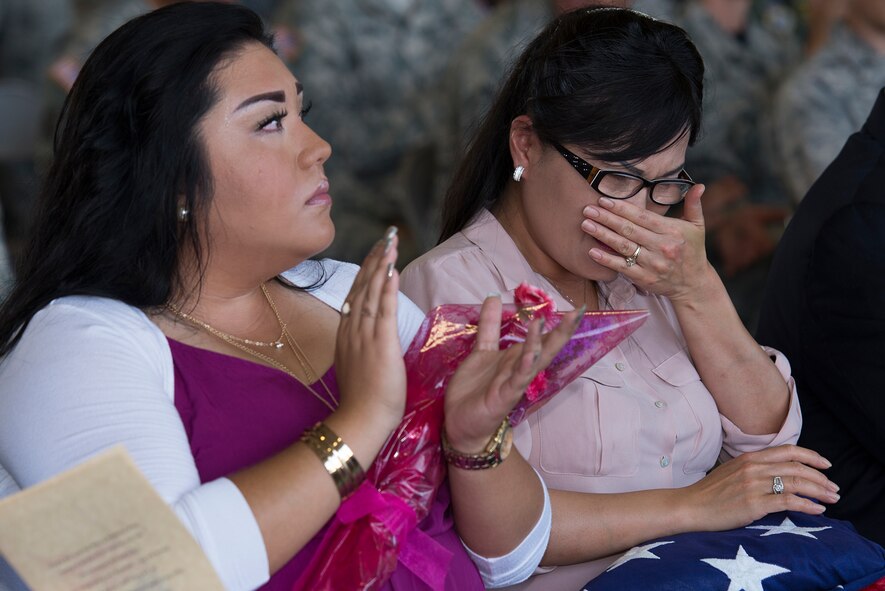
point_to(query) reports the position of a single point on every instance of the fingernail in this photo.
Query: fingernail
(835, 497)
(606, 202)
(827, 462)
(580, 315)
(596, 254)
(820, 508)
(493, 294)
(388, 238)
(591, 211)
(833, 486)
(389, 270)
(589, 226)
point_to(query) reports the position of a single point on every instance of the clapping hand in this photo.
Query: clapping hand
(489, 382)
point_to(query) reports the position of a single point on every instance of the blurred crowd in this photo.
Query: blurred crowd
(396, 85)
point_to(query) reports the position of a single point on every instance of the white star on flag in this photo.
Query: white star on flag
(637, 552)
(744, 572)
(788, 527)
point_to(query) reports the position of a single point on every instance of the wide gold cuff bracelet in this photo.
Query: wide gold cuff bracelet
(337, 458)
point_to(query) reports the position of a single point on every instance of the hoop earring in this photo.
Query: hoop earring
(517, 173)
(183, 214)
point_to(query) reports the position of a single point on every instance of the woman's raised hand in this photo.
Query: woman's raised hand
(489, 382)
(661, 254)
(744, 489)
(368, 356)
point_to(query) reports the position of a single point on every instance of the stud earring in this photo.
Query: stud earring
(183, 214)
(517, 173)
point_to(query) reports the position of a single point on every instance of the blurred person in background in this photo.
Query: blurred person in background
(746, 54)
(31, 35)
(829, 96)
(369, 65)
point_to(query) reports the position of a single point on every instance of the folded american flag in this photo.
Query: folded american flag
(783, 551)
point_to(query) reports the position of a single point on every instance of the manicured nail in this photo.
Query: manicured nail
(589, 226)
(827, 462)
(606, 202)
(493, 294)
(580, 315)
(833, 486)
(591, 211)
(596, 254)
(835, 497)
(389, 270)
(388, 237)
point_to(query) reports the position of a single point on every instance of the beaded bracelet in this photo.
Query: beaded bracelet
(337, 458)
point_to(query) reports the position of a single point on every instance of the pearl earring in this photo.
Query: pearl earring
(517, 173)
(183, 214)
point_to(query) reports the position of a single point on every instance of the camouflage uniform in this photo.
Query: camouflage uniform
(367, 66)
(824, 102)
(471, 82)
(740, 80)
(30, 35)
(93, 21)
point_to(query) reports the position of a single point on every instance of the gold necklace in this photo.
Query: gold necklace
(277, 344)
(566, 296)
(239, 343)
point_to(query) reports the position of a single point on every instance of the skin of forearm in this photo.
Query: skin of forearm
(292, 495)
(495, 509)
(588, 526)
(743, 380)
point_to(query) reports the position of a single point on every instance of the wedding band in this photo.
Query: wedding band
(345, 309)
(777, 485)
(631, 260)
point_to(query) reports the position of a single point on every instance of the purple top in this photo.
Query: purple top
(237, 413)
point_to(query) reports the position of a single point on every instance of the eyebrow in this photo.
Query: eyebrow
(276, 96)
(638, 172)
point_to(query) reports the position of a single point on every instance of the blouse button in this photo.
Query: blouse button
(660, 403)
(665, 461)
(619, 366)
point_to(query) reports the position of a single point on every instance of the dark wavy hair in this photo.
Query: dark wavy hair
(127, 155)
(616, 82)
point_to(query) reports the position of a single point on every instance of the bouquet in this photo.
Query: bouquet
(376, 526)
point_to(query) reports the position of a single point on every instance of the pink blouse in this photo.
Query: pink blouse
(638, 419)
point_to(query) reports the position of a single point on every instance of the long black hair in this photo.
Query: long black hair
(617, 83)
(127, 156)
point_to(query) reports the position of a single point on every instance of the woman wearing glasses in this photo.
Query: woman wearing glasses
(566, 185)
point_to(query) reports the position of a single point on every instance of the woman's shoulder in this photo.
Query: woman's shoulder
(88, 313)
(84, 326)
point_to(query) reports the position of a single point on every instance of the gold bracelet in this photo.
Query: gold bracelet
(337, 458)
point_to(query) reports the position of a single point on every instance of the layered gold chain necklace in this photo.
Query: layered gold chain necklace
(246, 345)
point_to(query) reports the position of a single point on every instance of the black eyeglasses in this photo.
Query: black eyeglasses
(623, 185)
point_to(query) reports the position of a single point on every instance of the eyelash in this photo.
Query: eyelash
(305, 109)
(278, 117)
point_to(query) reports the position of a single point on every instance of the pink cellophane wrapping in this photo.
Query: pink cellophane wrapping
(376, 526)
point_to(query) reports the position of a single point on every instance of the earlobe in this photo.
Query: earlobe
(522, 140)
